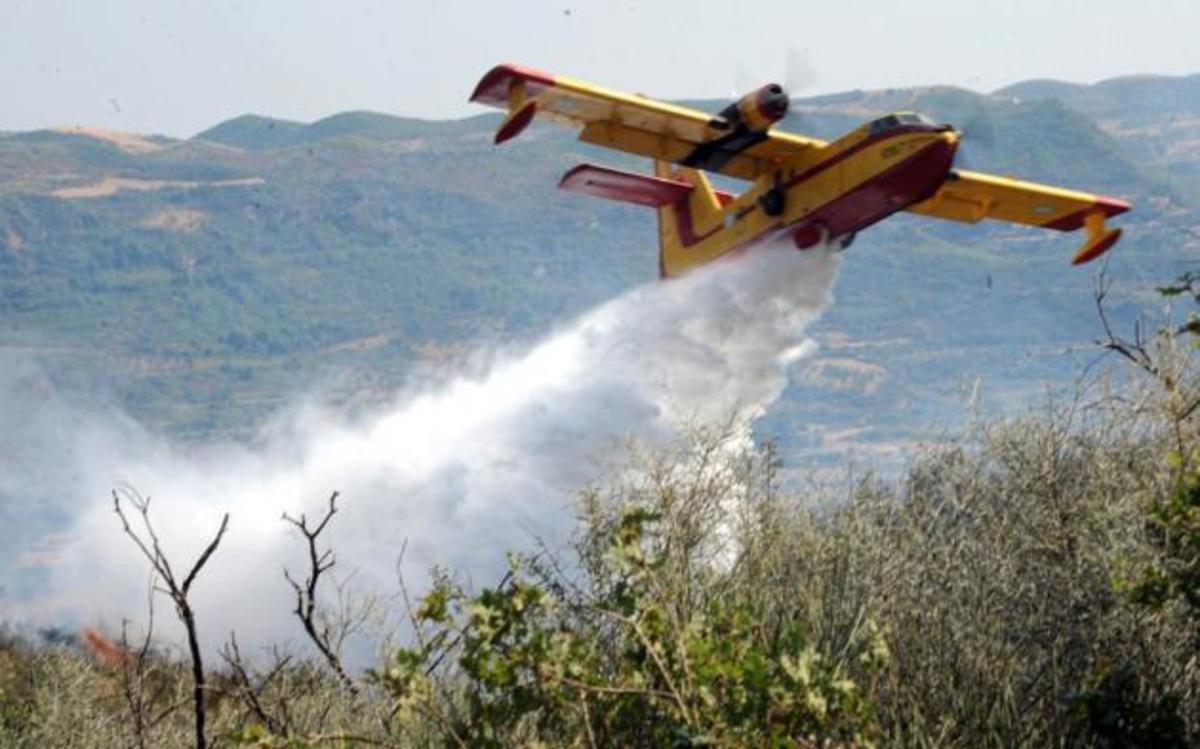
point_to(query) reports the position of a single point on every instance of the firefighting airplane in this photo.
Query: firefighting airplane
(803, 187)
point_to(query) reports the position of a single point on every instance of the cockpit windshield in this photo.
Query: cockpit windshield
(899, 119)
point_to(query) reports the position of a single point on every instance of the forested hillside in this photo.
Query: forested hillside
(203, 280)
(909, 581)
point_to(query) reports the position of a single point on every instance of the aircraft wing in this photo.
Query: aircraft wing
(971, 197)
(627, 122)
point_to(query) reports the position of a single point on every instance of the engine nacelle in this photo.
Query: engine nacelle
(758, 110)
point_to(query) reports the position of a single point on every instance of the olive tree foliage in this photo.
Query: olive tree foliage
(656, 632)
(1167, 359)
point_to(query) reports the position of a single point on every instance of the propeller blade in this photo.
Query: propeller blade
(799, 72)
(976, 136)
(743, 81)
(979, 129)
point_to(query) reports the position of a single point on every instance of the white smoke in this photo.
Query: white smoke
(462, 474)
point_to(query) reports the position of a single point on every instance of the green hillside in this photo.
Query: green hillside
(1128, 99)
(255, 133)
(210, 277)
(1040, 139)
(1155, 118)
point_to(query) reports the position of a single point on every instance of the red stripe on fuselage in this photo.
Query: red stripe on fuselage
(841, 156)
(686, 227)
(896, 188)
(893, 190)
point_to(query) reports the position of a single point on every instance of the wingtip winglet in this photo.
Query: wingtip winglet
(516, 122)
(493, 86)
(1097, 247)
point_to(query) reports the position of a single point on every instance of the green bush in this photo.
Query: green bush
(992, 595)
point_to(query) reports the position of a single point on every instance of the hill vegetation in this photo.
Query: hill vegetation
(1031, 584)
(209, 276)
(1156, 118)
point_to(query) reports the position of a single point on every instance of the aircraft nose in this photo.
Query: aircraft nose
(941, 148)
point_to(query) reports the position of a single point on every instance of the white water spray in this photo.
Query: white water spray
(462, 474)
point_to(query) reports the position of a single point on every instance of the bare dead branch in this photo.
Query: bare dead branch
(409, 611)
(208, 552)
(1135, 351)
(342, 739)
(161, 567)
(134, 668)
(587, 721)
(250, 692)
(319, 562)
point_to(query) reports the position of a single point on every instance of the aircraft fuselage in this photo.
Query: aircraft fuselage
(848, 185)
(801, 188)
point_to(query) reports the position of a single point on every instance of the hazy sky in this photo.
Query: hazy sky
(179, 66)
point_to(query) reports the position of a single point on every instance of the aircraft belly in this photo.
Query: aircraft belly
(876, 197)
(821, 201)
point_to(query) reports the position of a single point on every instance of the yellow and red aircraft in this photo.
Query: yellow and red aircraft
(808, 189)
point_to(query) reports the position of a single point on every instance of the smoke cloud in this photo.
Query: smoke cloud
(461, 473)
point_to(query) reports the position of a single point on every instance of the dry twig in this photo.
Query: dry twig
(151, 548)
(319, 562)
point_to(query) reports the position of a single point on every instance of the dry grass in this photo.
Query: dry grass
(110, 186)
(126, 141)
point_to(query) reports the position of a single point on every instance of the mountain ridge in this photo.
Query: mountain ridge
(1032, 87)
(216, 279)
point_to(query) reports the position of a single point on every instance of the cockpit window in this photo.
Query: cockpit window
(896, 120)
(884, 123)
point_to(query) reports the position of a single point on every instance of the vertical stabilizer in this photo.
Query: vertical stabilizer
(686, 221)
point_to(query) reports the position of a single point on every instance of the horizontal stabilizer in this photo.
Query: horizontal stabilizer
(614, 184)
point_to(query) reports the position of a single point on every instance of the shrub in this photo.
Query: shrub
(994, 594)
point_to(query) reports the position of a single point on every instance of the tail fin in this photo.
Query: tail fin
(682, 222)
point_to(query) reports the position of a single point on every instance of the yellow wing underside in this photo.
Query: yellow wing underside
(670, 133)
(970, 197)
(632, 123)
